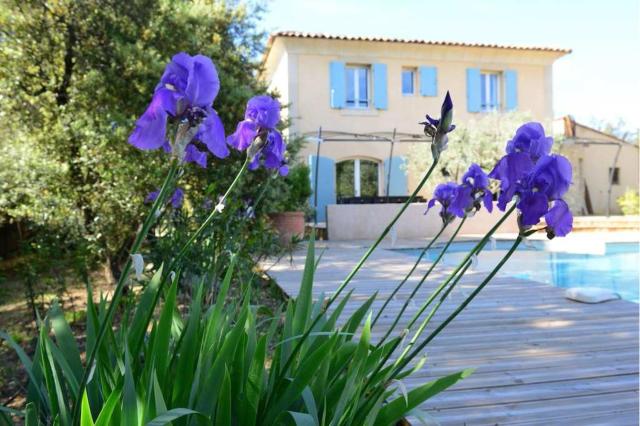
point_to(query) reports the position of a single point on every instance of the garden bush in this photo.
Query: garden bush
(629, 202)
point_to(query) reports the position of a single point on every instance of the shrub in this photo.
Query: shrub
(629, 202)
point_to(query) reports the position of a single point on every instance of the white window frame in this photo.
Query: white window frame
(487, 91)
(356, 86)
(413, 72)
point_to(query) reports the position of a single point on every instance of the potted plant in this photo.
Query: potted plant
(288, 215)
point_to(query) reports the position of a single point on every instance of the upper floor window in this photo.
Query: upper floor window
(408, 81)
(490, 91)
(357, 86)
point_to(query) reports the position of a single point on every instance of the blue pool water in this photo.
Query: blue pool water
(615, 266)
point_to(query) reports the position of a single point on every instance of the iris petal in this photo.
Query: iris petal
(533, 206)
(211, 133)
(243, 136)
(559, 218)
(151, 128)
(203, 84)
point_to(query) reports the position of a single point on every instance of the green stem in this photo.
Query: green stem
(460, 308)
(375, 245)
(184, 249)
(406, 278)
(424, 278)
(280, 378)
(135, 247)
(455, 276)
(462, 267)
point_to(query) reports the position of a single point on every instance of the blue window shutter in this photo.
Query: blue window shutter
(473, 89)
(428, 81)
(326, 184)
(398, 178)
(337, 82)
(511, 90)
(380, 86)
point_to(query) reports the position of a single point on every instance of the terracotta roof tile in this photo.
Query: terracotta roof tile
(298, 34)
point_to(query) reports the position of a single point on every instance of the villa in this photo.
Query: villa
(357, 101)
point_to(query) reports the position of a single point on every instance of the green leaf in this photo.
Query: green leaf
(31, 415)
(223, 411)
(27, 364)
(249, 404)
(188, 353)
(163, 332)
(85, 414)
(310, 404)
(172, 415)
(397, 408)
(302, 419)
(66, 341)
(305, 296)
(138, 326)
(105, 416)
(130, 398)
(54, 378)
(356, 319)
(301, 377)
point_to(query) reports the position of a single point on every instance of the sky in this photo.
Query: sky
(598, 82)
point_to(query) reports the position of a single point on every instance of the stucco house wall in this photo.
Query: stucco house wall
(592, 153)
(298, 67)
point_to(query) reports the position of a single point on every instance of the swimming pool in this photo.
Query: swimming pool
(611, 265)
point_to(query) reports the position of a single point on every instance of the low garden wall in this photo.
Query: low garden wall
(367, 221)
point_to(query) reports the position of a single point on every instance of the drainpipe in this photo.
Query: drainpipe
(393, 141)
(611, 172)
(315, 184)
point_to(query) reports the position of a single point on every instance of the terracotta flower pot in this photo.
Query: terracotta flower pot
(288, 225)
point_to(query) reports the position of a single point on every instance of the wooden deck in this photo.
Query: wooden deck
(539, 358)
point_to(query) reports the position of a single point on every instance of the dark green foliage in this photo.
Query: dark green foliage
(74, 75)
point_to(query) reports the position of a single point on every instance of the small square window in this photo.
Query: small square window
(615, 176)
(408, 81)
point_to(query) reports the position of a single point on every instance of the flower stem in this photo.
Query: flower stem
(460, 308)
(135, 247)
(184, 249)
(419, 285)
(375, 245)
(347, 280)
(406, 278)
(457, 274)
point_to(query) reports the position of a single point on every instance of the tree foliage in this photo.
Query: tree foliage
(74, 75)
(480, 141)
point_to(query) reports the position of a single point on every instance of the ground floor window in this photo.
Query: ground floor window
(357, 178)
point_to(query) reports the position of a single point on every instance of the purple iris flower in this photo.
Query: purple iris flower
(438, 128)
(473, 192)
(258, 129)
(548, 181)
(537, 178)
(176, 198)
(185, 93)
(445, 194)
(510, 171)
(530, 138)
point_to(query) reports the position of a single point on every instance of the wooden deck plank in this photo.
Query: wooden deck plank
(539, 358)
